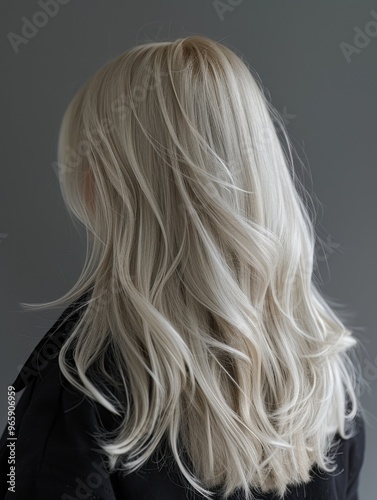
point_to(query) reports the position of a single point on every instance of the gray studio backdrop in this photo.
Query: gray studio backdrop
(317, 60)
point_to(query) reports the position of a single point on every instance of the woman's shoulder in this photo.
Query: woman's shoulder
(55, 425)
(353, 454)
(45, 353)
(43, 381)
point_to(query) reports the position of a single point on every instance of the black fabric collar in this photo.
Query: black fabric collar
(47, 349)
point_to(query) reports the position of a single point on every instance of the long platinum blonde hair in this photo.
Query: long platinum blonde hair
(200, 260)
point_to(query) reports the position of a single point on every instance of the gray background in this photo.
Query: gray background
(295, 46)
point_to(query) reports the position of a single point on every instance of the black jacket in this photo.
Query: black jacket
(56, 457)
